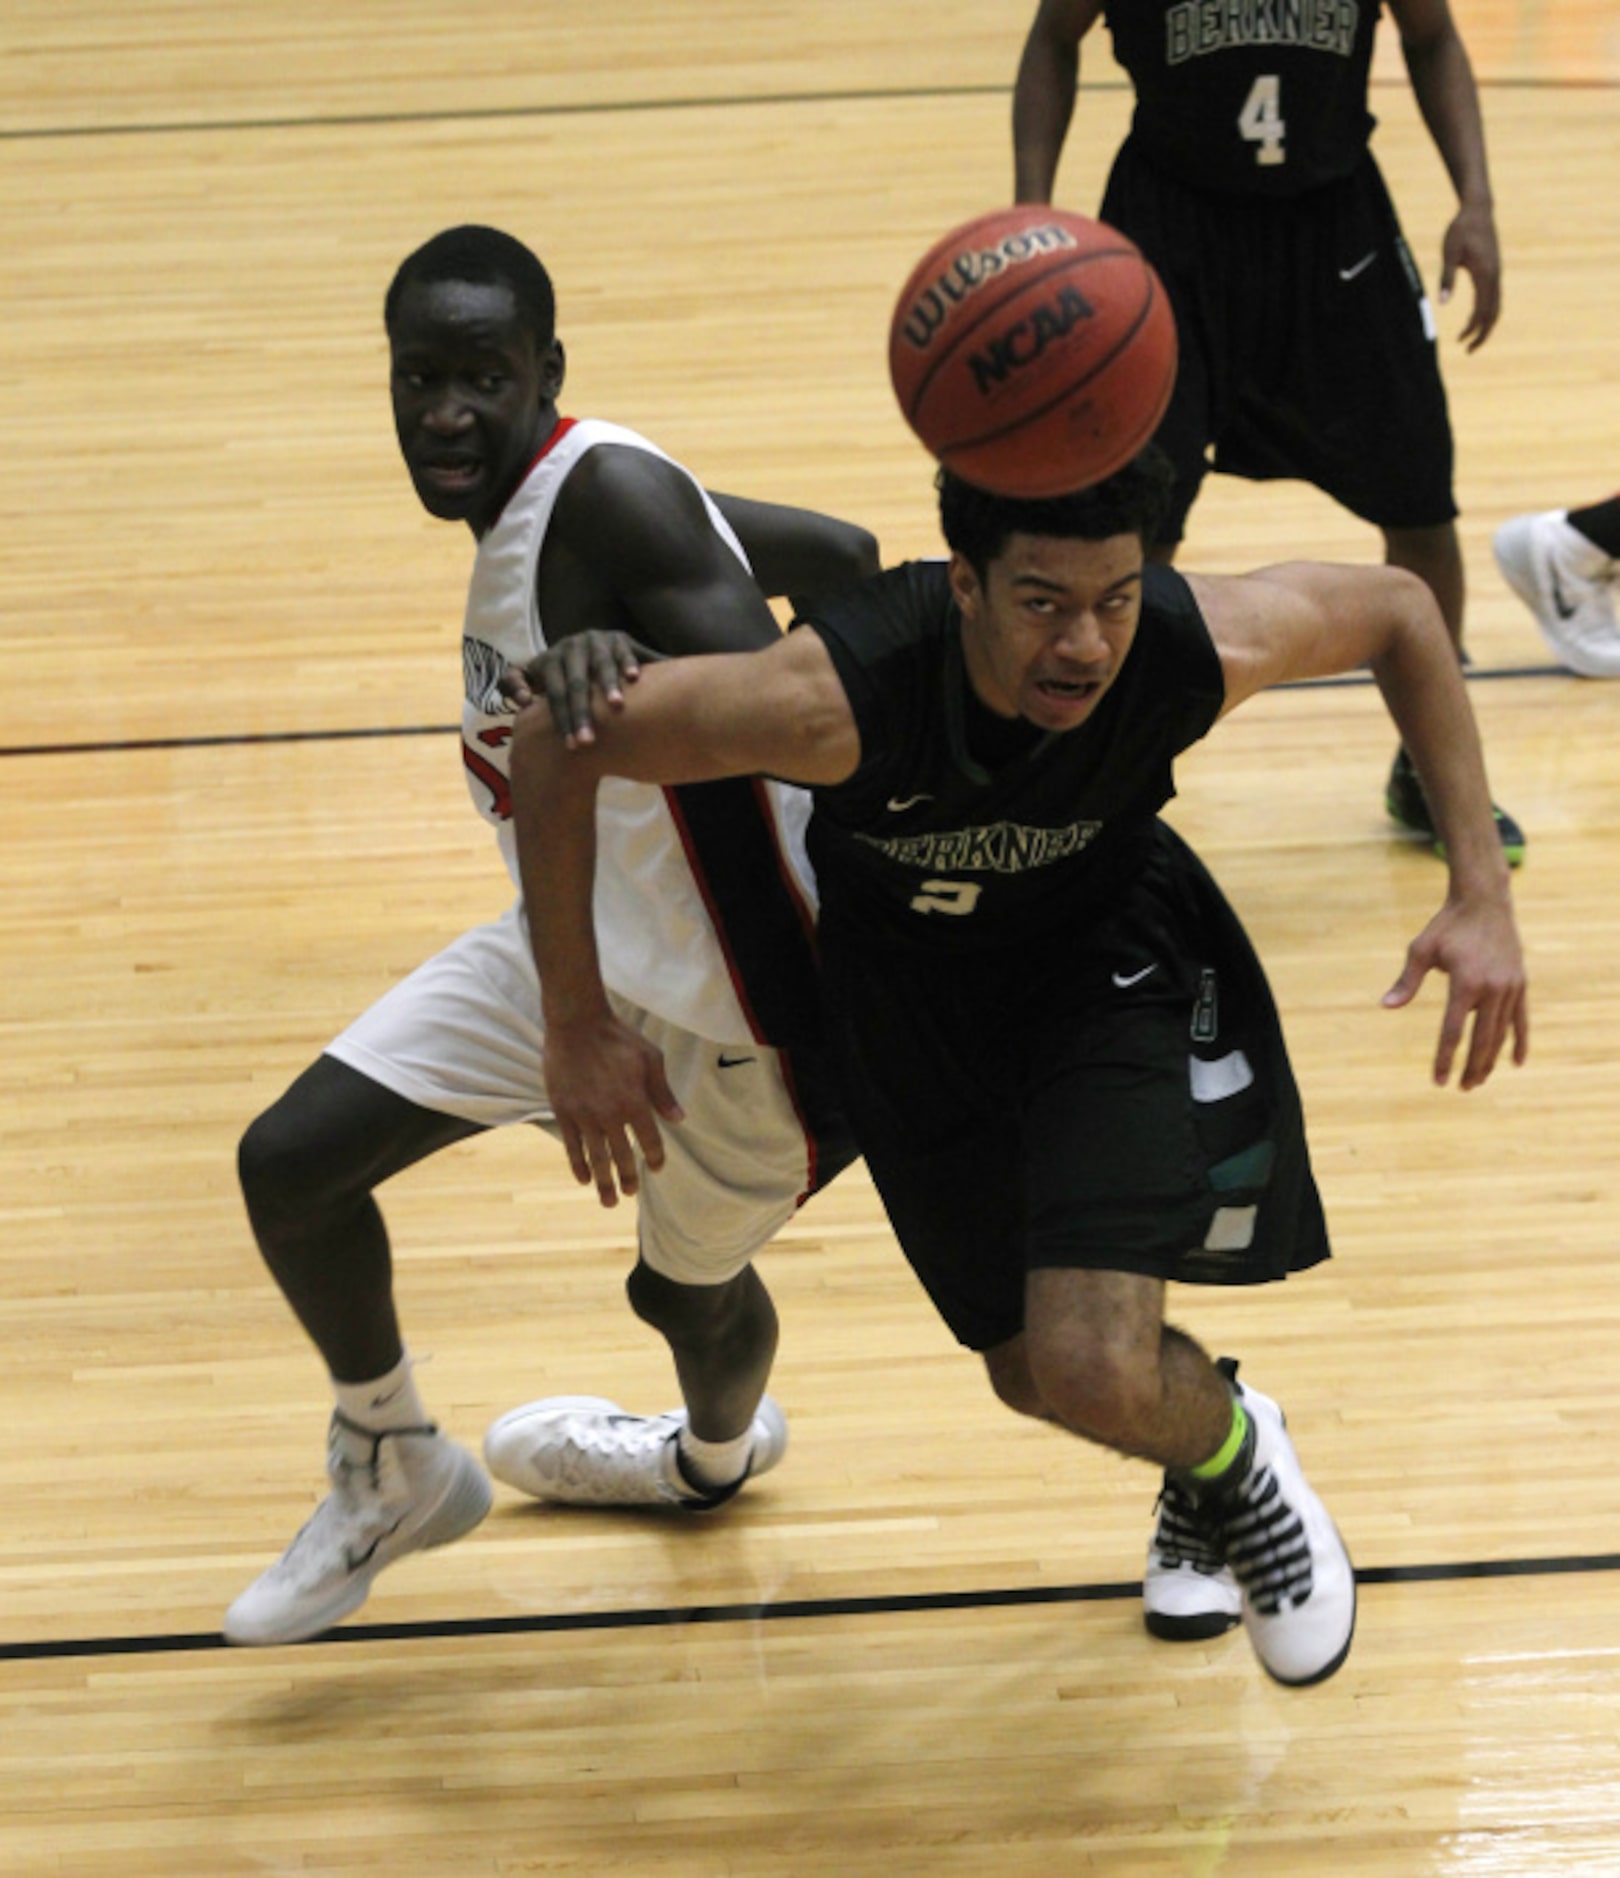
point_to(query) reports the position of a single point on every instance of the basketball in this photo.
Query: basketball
(1033, 351)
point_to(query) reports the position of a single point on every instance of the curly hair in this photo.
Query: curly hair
(1133, 501)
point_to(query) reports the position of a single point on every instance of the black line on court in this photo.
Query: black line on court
(555, 1622)
(623, 107)
(115, 745)
(244, 738)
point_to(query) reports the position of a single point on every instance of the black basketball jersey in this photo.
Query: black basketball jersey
(961, 830)
(1249, 97)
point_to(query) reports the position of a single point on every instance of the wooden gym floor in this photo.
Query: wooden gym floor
(232, 814)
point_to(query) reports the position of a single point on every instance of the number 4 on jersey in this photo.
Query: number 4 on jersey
(1261, 119)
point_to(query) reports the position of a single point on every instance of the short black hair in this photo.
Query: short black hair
(1133, 501)
(487, 257)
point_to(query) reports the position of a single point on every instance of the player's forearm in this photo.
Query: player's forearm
(554, 819)
(798, 553)
(1422, 685)
(1443, 84)
(1043, 105)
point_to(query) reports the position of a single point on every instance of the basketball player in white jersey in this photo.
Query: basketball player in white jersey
(705, 918)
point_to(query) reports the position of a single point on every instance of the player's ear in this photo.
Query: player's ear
(965, 588)
(553, 369)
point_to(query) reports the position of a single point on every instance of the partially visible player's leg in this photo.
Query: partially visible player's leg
(735, 1171)
(1434, 554)
(308, 1167)
(723, 1341)
(446, 1053)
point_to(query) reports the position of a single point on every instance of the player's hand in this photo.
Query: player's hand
(608, 1089)
(567, 674)
(1471, 244)
(1477, 945)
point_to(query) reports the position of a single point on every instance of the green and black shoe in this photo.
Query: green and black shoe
(1409, 809)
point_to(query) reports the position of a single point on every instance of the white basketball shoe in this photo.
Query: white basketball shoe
(1568, 583)
(1298, 1585)
(399, 1491)
(583, 1450)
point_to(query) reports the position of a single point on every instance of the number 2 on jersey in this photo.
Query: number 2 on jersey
(947, 896)
(1261, 119)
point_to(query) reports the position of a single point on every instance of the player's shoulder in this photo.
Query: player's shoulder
(908, 602)
(623, 495)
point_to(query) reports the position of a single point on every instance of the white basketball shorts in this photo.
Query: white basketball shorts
(463, 1035)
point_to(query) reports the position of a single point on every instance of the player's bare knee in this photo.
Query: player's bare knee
(1099, 1392)
(268, 1166)
(286, 1174)
(1007, 1367)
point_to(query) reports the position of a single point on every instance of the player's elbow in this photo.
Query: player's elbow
(861, 554)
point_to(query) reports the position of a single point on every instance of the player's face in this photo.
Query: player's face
(474, 396)
(1045, 633)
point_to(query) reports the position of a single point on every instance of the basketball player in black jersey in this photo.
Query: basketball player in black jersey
(1056, 1044)
(1307, 342)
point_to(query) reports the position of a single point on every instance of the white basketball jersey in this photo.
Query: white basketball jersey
(664, 928)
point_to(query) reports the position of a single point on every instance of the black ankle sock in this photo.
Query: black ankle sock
(1600, 524)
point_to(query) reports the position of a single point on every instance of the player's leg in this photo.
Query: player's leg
(756, 1139)
(1164, 1140)
(309, 1167)
(1191, 257)
(1110, 1370)
(451, 1050)
(1434, 554)
(1373, 424)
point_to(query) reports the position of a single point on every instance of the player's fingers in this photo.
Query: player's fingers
(613, 665)
(650, 1141)
(603, 1169)
(1485, 1044)
(662, 1096)
(574, 1147)
(1451, 1033)
(1405, 988)
(565, 673)
(624, 1160)
(1521, 1025)
(1487, 311)
(514, 687)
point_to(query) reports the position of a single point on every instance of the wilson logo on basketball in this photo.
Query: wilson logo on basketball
(971, 270)
(1023, 342)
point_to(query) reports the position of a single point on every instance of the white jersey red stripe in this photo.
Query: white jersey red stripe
(664, 932)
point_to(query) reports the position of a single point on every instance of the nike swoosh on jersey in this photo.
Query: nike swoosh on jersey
(1126, 979)
(899, 804)
(1361, 266)
(735, 1062)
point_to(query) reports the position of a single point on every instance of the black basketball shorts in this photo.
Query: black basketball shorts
(1128, 1110)
(1308, 344)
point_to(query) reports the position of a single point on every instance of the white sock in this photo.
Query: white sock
(389, 1401)
(715, 1464)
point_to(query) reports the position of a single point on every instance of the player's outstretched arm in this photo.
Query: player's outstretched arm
(1305, 620)
(782, 712)
(1043, 96)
